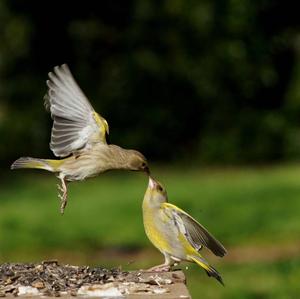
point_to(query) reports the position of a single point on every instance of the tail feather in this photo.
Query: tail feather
(28, 162)
(211, 272)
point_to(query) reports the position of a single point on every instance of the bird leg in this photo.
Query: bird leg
(165, 267)
(63, 195)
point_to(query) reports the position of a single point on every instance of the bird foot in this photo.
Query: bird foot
(60, 188)
(159, 268)
(63, 206)
(63, 199)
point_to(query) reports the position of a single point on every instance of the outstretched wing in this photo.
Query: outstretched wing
(194, 232)
(76, 124)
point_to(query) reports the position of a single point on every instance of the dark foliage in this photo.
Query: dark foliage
(174, 78)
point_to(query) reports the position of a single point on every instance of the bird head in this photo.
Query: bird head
(138, 162)
(156, 191)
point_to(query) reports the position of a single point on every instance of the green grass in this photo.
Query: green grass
(255, 280)
(243, 207)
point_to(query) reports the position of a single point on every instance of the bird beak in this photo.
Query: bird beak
(152, 183)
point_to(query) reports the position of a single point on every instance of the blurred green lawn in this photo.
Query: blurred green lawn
(254, 208)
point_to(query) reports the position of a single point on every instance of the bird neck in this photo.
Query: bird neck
(118, 157)
(150, 201)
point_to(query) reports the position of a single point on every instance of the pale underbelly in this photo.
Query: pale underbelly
(79, 171)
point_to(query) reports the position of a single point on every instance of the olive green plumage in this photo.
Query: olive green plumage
(175, 233)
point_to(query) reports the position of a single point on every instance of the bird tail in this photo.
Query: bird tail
(211, 272)
(28, 162)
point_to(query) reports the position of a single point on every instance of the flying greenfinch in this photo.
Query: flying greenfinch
(177, 235)
(78, 137)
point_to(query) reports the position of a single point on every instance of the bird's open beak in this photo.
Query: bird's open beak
(152, 183)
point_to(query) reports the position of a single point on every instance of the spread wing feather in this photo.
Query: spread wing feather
(76, 125)
(196, 234)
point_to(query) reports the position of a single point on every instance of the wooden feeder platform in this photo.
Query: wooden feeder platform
(50, 279)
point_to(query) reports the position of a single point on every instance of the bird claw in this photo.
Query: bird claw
(63, 198)
(63, 202)
(63, 205)
(60, 188)
(160, 268)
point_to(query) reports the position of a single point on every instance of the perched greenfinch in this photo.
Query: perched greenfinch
(78, 137)
(177, 235)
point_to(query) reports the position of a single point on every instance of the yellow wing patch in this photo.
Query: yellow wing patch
(102, 123)
(170, 206)
(189, 249)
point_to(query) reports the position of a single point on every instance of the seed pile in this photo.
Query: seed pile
(53, 279)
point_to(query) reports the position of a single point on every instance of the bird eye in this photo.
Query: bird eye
(160, 188)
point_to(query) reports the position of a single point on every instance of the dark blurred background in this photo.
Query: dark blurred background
(216, 79)
(209, 91)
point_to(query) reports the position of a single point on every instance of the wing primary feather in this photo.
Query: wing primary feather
(199, 234)
(195, 233)
(65, 75)
(62, 141)
(64, 114)
(74, 122)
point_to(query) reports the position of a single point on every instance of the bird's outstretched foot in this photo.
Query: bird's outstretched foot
(63, 202)
(63, 195)
(159, 268)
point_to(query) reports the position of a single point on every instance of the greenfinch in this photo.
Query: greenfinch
(177, 235)
(78, 137)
